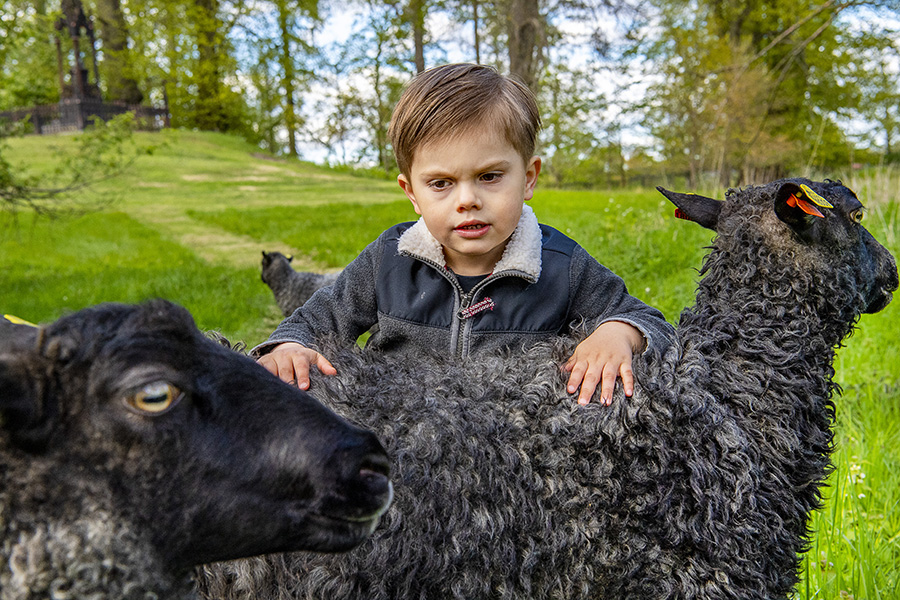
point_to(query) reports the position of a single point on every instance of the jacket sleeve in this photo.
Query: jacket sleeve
(598, 295)
(341, 312)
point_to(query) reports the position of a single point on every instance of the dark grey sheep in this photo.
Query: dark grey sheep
(132, 448)
(700, 486)
(291, 288)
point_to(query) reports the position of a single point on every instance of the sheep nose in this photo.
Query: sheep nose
(364, 490)
(374, 476)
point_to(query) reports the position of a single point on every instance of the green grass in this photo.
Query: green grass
(190, 219)
(329, 235)
(53, 267)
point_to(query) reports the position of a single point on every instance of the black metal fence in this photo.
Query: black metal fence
(74, 115)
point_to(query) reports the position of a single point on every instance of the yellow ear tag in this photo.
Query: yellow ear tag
(17, 321)
(816, 198)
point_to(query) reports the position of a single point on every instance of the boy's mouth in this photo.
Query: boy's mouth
(472, 229)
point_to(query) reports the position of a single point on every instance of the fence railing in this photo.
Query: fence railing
(74, 115)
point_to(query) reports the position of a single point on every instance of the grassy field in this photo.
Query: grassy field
(189, 220)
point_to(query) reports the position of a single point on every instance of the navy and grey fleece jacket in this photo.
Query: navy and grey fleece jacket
(542, 285)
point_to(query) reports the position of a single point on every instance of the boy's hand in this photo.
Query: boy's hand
(290, 361)
(602, 357)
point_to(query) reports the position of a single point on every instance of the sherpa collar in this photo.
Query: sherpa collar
(522, 253)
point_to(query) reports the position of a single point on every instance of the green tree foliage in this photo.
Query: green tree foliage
(733, 90)
(359, 81)
(278, 42)
(28, 73)
(751, 89)
(573, 143)
(185, 54)
(875, 70)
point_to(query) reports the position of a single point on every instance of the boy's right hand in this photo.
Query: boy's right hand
(290, 361)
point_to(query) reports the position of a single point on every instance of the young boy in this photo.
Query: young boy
(476, 272)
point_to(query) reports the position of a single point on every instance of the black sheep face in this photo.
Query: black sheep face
(201, 447)
(814, 227)
(273, 263)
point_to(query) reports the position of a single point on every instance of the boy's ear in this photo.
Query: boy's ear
(406, 186)
(532, 170)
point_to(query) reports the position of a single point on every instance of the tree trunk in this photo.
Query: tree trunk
(121, 85)
(526, 41)
(289, 74)
(207, 76)
(416, 13)
(475, 25)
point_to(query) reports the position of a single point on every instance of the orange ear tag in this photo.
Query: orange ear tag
(800, 202)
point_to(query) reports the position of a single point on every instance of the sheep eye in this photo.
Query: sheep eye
(155, 398)
(857, 216)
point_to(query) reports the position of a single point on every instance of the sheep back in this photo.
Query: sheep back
(506, 488)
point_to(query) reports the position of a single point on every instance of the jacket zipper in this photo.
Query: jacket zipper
(462, 325)
(465, 300)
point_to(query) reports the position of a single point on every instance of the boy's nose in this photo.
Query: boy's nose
(468, 198)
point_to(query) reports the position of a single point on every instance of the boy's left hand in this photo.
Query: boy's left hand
(602, 357)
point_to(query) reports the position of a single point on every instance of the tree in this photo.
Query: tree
(363, 79)
(875, 72)
(527, 40)
(762, 82)
(209, 38)
(415, 14)
(117, 67)
(27, 54)
(187, 49)
(278, 37)
(573, 126)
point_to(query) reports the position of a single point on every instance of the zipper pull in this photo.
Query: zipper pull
(467, 312)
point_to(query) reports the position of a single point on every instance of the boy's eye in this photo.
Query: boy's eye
(439, 184)
(490, 177)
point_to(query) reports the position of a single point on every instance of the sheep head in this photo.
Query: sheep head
(810, 223)
(275, 265)
(201, 449)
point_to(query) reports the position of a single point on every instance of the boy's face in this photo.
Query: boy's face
(469, 190)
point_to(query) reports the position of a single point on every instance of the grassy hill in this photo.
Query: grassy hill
(189, 220)
(159, 236)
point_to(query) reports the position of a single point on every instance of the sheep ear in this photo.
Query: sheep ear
(24, 411)
(699, 209)
(18, 405)
(797, 205)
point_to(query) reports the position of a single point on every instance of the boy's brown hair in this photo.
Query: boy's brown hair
(456, 98)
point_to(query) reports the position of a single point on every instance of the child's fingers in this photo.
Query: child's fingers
(300, 369)
(270, 365)
(283, 365)
(608, 385)
(324, 366)
(589, 385)
(576, 373)
(627, 378)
